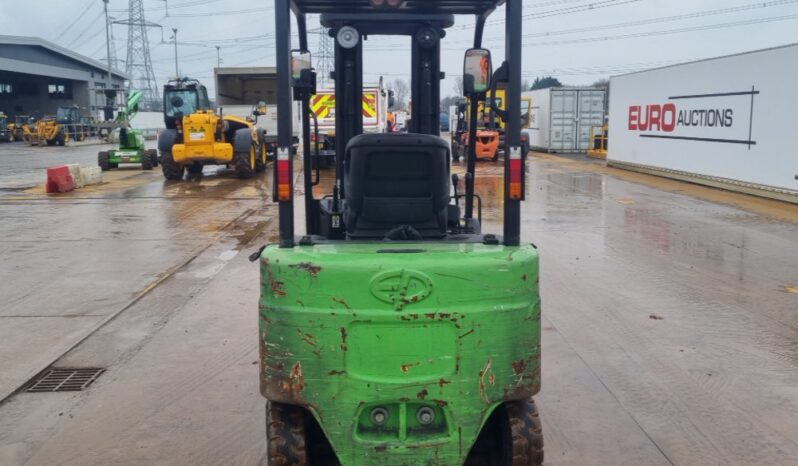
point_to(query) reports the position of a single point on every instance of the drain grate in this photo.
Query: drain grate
(65, 380)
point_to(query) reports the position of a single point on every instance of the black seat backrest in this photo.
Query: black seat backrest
(394, 180)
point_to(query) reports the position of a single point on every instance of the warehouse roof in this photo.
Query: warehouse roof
(39, 42)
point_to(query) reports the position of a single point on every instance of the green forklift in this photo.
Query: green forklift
(395, 331)
(131, 141)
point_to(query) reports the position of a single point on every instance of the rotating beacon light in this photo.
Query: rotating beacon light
(348, 37)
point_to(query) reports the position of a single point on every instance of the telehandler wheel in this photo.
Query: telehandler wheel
(60, 139)
(245, 163)
(102, 161)
(146, 162)
(50, 142)
(285, 435)
(194, 168)
(171, 169)
(260, 163)
(153, 155)
(513, 436)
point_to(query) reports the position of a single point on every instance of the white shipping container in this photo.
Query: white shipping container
(726, 122)
(561, 118)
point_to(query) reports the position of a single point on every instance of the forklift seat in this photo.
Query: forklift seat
(396, 180)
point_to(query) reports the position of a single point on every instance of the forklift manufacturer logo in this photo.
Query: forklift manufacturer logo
(401, 287)
(721, 117)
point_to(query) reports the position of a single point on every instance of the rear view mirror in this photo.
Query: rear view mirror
(391, 99)
(477, 71)
(299, 61)
(260, 108)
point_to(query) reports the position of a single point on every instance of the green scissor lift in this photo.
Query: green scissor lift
(395, 331)
(131, 141)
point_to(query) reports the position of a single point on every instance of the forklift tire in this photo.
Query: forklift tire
(153, 155)
(146, 162)
(51, 143)
(513, 436)
(102, 161)
(60, 139)
(527, 433)
(285, 435)
(171, 169)
(245, 163)
(495, 156)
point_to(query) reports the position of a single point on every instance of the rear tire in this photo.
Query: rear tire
(194, 169)
(513, 436)
(245, 163)
(285, 435)
(260, 163)
(171, 169)
(102, 161)
(153, 155)
(146, 161)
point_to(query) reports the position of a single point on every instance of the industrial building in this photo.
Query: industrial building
(37, 76)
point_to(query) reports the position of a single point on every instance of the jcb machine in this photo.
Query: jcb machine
(395, 331)
(18, 128)
(196, 135)
(131, 141)
(58, 130)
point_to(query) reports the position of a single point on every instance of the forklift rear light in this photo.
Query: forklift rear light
(283, 175)
(516, 174)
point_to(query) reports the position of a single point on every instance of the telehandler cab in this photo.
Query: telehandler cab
(196, 135)
(395, 331)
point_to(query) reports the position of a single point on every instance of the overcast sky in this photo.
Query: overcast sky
(578, 41)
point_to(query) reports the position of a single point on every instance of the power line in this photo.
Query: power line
(73, 23)
(665, 19)
(709, 27)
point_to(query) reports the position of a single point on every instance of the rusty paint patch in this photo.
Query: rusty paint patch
(441, 403)
(336, 373)
(466, 334)
(482, 373)
(309, 339)
(277, 288)
(519, 366)
(406, 367)
(409, 317)
(295, 382)
(308, 267)
(342, 302)
(443, 382)
(380, 448)
(343, 339)
(422, 394)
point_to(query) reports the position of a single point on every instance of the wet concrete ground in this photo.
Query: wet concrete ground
(670, 319)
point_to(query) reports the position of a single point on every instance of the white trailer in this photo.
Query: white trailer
(561, 118)
(728, 122)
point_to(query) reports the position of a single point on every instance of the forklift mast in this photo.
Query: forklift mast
(349, 22)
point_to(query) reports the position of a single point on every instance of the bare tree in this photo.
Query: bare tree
(400, 92)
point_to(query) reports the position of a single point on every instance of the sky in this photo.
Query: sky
(577, 41)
